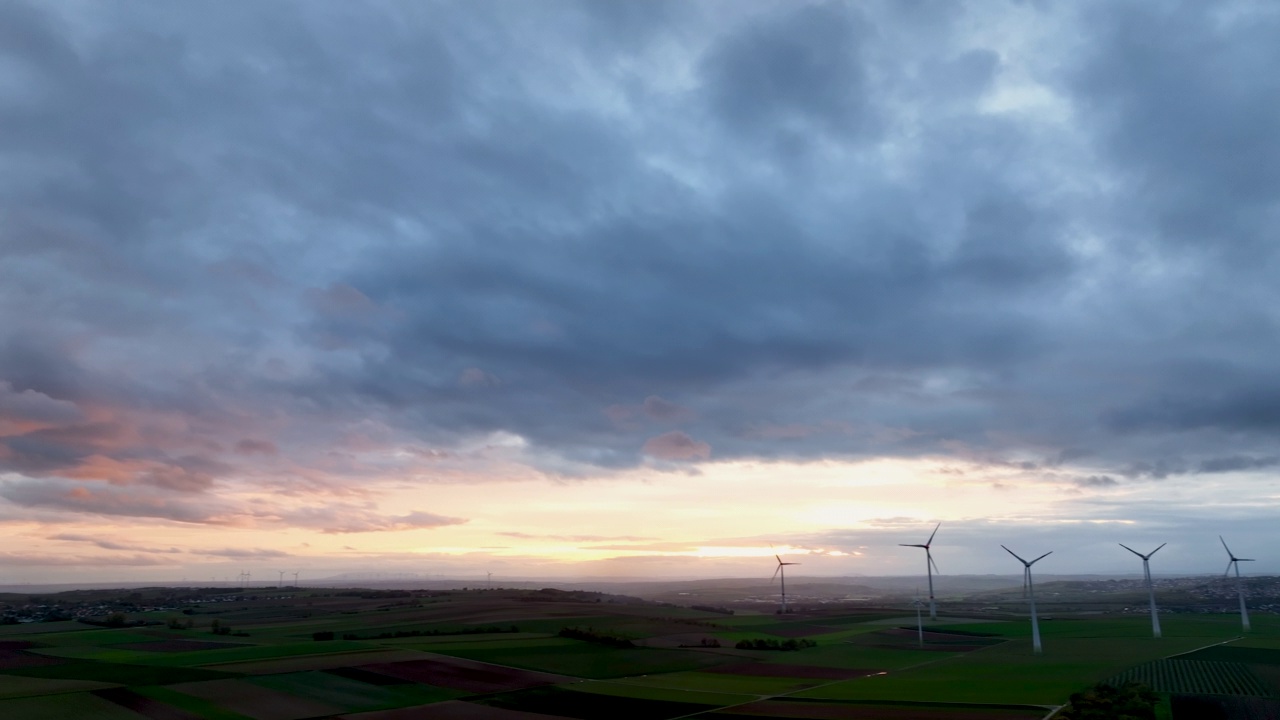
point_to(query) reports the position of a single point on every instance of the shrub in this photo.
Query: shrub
(1130, 701)
(592, 636)
(771, 644)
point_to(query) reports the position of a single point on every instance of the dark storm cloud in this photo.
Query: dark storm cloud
(243, 238)
(1186, 105)
(792, 72)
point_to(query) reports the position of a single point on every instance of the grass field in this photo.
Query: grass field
(865, 664)
(724, 683)
(1011, 673)
(353, 695)
(589, 706)
(581, 659)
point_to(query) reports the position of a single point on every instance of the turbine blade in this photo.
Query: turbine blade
(1153, 552)
(1224, 547)
(1228, 570)
(1126, 547)
(1033, 562)
(935, 532)
(910, 545)
(779, 559)
(1024, 562)
(775, 573)
(932, 562)
(1244, 559)
(795, 563)
(1026, 577)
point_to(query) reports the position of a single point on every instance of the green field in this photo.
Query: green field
(586, 660)
(724, 683)
(1011, 673)
(986, 662)
(353, 695)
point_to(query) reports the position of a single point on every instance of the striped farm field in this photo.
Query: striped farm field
(1200, 677)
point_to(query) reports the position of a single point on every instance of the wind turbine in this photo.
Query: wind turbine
(280, 584)
(295, 578)
(929, 566)
(489, 580)
(1151, 591)
(1029, 588)
(1244, 612)
(783, 573)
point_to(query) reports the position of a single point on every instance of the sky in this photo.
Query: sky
(636, 289)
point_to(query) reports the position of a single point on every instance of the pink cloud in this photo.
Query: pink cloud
(42, 561)
(371, 522)
(676, 445)
(333, 518)
(242, 553)
(107, 544)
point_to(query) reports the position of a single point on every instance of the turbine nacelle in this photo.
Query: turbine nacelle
(1234, 560)
(779, 569)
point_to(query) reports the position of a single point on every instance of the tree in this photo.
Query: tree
(1130, 701)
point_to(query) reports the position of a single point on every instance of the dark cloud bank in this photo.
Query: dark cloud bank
(251, 241)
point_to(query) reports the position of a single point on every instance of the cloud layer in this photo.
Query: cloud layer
(259, 264)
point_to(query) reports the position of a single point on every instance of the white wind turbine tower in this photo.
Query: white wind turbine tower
(781, 571)
(1151, 591)
(929, 566)
(1029, 588)
(280, 583)
(1244, 612)
(295, 578)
